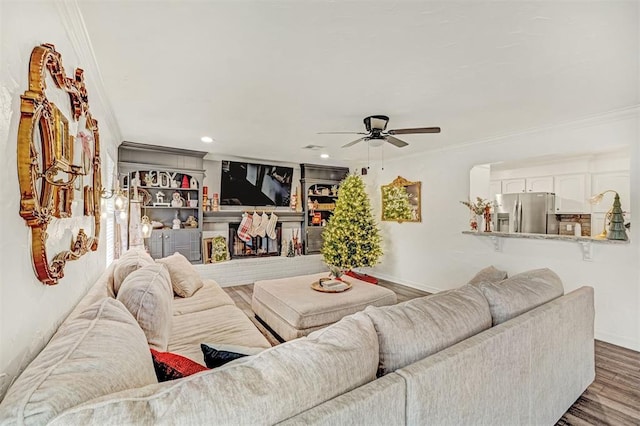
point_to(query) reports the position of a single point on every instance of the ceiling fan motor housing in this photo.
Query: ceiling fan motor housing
(376, 123)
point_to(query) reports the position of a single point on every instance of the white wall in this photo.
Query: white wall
(434, 255)
(29, 311)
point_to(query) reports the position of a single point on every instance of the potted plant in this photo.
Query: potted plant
(477, 209)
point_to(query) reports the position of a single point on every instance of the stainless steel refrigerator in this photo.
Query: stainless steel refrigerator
(527, 212)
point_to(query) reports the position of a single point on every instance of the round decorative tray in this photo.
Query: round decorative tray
(318, 287)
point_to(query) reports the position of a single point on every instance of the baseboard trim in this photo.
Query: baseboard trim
(614, 339)
(408, 283)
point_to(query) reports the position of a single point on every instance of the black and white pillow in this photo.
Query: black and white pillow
(216, 355)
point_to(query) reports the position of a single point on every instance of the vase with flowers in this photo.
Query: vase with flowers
(477, 210)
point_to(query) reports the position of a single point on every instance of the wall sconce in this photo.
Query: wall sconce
(145, 226)
(617, 230)
(119, 199)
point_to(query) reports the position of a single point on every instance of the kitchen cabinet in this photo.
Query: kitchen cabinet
(495, 187)
(165, 242)
(571, 193)
(539, 184)
(617, 181)
(510, 186)
(533, 184)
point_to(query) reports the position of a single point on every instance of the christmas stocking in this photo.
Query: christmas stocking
(244, 228)
(255, 223)
(262, 228)
(271, 226)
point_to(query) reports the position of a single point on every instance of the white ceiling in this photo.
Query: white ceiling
(262, 77)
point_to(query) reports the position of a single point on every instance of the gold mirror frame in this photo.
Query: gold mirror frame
(41, 160)
(401, 201)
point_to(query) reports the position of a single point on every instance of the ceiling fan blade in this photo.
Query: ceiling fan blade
(353, 143)
(414, 130)
(395, 141)
(342, 133)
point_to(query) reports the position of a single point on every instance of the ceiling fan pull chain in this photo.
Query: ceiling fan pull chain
(382, 154)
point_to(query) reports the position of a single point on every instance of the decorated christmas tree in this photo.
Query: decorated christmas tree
(395, 200)
(617, 230)
(351, 237)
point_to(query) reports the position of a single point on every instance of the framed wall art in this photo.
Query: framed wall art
(401, 201)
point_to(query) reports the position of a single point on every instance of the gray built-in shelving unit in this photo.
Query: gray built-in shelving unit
(319, 183)
(143, 159)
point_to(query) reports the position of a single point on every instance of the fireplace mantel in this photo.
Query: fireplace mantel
(235, 216)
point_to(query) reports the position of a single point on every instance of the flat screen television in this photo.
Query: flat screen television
(249, 184)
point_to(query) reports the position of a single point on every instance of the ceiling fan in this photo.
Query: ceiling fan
(377, 134)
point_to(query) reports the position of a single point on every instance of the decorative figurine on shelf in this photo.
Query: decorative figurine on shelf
(160, 199)
(191, 222)
(294, 200)
(148, 180)
(135, 181)
(176, 222)
(206, 203)
(193, 183)
(473, 223)
(214, 203)
(185, 182)
(177, 200)
(487, 218)
(334, 190)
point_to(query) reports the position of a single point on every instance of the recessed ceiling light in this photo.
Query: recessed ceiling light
(206, 139)
(324, 155)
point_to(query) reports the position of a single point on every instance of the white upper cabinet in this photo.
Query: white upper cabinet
(617, 181)
(495, 187)
(510, 186)
(571, 195)
(540, 184)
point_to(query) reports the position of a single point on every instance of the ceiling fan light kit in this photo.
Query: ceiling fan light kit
(376, 135)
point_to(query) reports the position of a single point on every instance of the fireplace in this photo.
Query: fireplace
(257, 247)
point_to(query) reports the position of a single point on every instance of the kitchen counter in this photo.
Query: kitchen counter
(544, 237)
(585, 242)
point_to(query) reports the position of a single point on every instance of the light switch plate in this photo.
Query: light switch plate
(568, 227)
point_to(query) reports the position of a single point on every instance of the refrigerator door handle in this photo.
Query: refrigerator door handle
(515, 216)
(520, 216)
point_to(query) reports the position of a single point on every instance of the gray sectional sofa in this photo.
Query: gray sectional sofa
(514, 352)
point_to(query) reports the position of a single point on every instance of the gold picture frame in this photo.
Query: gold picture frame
(401, 201)
(46, 173)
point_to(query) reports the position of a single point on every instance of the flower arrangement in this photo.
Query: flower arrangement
(478, 207)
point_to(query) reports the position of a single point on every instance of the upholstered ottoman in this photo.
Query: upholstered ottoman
(293, 309)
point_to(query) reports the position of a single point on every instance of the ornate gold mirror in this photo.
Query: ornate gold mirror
(58, 180)
(401, 201)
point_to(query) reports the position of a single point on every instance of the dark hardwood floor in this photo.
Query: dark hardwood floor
(612, 399)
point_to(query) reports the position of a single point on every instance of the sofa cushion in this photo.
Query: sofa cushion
(521, 293)
(170, 366)
(265, 389)
(101, 351)
(218, 355)
(131, 261)
(224, 324)
(420, 327)
(210, 296)
(147, 294)
(185, 280)
(489, 274)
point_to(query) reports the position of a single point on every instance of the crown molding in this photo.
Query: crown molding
(74, 25)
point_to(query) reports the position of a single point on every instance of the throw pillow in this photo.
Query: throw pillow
(100, 351)
(170, 366)
(185, 280)
(489, 274)
(131, 261)
(521, 293)
(218, 355)
(148, 296)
